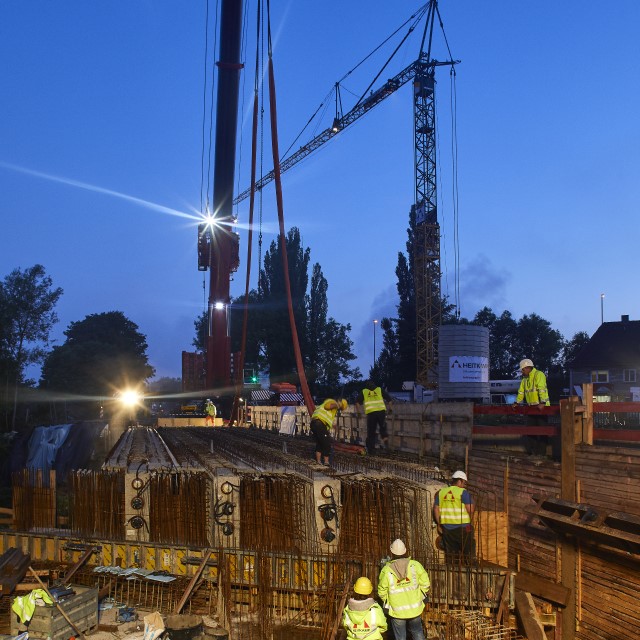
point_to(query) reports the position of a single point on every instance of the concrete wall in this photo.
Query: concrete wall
(440, 430)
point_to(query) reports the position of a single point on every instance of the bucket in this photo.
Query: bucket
(215, 633)
(183, 626)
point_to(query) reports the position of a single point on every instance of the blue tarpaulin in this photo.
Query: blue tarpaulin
(44, 444)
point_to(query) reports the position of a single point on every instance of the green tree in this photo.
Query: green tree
(276, 339)
(536, 339)
(253, 357)
(102, 354)
(503, 359)
(326, 347)
(572, 348)
(165, 385)
(404, 326)
(201, 332)
(334, 356)
(318, 308)
(387, 370)
(27, 313)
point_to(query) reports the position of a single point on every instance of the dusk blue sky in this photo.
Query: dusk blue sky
(111, 95)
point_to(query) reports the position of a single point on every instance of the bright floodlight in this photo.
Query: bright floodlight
(130, 397)
(219, 306)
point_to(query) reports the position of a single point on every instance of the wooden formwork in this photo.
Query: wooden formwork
(441, 431)
(606, 580)
(48, 623)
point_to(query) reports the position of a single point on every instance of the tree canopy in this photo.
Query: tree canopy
(27, 315)
(102, 354)
(510, 341)
(325, 344)
(531, 336)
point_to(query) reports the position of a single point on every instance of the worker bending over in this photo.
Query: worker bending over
(323, 421)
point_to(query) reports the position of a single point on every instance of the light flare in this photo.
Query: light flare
(154, 206)
(130, 397)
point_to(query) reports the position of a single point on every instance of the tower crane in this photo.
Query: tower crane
(426, 249)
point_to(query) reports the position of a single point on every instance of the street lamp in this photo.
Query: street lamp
(602, 308)
(375, 324)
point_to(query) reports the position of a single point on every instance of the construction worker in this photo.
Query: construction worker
(322, 422)
(533, 392)
(210, 410)
(402, 586)
(376, 403)
(533, 386)
(453, 511)
(363, 616)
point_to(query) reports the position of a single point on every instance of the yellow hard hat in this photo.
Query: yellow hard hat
(343, 404)
(363, 586)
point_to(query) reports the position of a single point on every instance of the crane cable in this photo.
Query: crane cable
(454, 186)
(204, 202)
(243, 46)
(204, 199)
(261, 41)
(304, 386)
(239, 382)
(417, 15)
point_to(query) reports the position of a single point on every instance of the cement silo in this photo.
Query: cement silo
(463, 365)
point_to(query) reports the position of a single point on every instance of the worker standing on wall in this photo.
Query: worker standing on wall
(376, 403)
(363, 617)
(210, 410)
(402, 586)
(322, 422)
(453, 511)
(533, 392)
(533, 386)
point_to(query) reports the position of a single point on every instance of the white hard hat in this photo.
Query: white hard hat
(525, 363)
(459, 475)
(397, 548)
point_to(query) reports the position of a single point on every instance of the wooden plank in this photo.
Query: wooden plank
(193, 582)
(571, 433)
(526, 609)
(57, 604)
(543, 588)
(83, 559)
(587, 419)
(504, 599)
(493, 537)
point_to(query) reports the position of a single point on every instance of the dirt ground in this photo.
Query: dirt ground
(131, 630)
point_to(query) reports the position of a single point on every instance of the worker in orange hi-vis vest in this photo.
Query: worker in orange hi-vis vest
(363, 617)
(453, 512)
(210, 410)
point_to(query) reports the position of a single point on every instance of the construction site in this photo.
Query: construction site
(237, 524)
(229, 529)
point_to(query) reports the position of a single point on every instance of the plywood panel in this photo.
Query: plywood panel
(492, 537)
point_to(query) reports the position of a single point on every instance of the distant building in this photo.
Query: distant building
(193, 372)
(611, 360)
